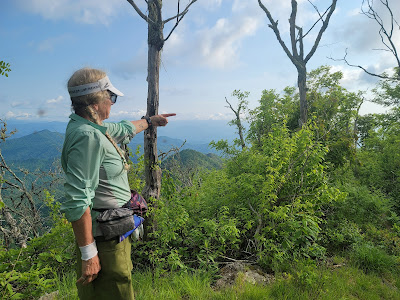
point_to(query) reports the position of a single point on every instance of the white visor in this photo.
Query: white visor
(101, 85)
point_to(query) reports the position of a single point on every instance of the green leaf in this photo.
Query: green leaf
(58, 257)
(18, 296)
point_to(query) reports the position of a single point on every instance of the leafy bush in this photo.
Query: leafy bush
(356, 218)
(341, 236)
(27, 273)
(371, 258)
(387, 238)
(182, 237)
(283, 186)
(265, 203)
(380, 160)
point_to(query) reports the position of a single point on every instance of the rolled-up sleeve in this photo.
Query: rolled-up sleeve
(122, 132)
(83, 159)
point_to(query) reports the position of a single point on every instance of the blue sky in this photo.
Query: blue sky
(220, 46)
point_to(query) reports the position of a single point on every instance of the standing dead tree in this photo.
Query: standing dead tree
(296, 54)
(155, 42)
(242, 104)
(386, 33)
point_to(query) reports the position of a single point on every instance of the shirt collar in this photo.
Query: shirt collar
(77, 118)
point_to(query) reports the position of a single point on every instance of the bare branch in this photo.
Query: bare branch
(316, 22)
(321, 31)
(238, 122)
(344, 59)
(260, 222)
(316, 9)
(292, 22)
(140, 13)
(163, 155)
(386, 35)
(274, 27)
(179, 16)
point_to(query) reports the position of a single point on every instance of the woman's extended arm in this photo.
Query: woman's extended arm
(158, 120)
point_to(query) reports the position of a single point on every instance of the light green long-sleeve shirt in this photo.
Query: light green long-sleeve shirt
(94, 171)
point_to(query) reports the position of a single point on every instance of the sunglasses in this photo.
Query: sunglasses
(113, 97)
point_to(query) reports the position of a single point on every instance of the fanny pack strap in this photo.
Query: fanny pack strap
(104, 209)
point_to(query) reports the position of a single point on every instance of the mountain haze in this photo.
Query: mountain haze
(42, 148)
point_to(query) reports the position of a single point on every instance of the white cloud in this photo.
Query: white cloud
(137, 114)
(350, 75)
(209, 4)
(220, 116)
(361, 33)
(16, 103)
(19, 116)
(87, 11)
(55, 100)
(194, 42)
(215, 116)
(219, 46)
(10, 115)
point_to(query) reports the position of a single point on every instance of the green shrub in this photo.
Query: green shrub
(356, 218)
(339, 237)
(305, 273)
(371, 258)
(386, 238)
(27, 273)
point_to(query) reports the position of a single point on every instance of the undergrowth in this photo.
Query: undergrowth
(328, 282)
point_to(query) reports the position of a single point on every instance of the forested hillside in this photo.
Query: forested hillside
(192, 159)
(41, 149)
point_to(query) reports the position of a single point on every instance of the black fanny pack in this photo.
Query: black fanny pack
(115, 222)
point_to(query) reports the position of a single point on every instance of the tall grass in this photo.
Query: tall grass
(346, 282)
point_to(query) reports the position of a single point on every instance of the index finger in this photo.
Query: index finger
(88, 280)
(81, 279)
(168, 115)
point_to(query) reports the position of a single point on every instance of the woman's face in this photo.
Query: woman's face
(103, 109)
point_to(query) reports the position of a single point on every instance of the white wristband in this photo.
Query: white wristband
(88, 251)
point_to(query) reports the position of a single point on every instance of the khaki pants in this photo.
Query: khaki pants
(115, 278)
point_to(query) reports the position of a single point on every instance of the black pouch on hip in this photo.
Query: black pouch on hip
(115, 222)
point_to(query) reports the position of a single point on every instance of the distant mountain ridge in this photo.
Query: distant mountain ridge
(39, 145)
(193, 159)
(45, 146)
(194, 131)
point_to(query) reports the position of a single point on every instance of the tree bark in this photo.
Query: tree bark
(155, 44)
(302, 84)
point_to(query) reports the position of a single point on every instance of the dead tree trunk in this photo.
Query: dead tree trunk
(296, 55)
(155, 44)
(302, 84)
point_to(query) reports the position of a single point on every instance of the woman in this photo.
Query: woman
(96, 178)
